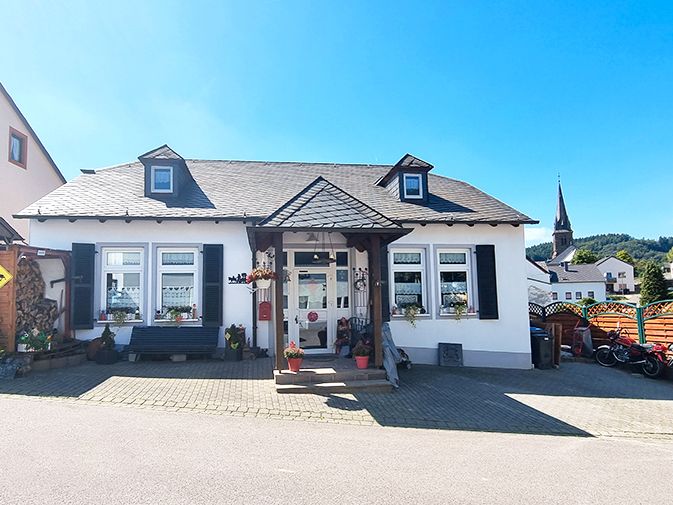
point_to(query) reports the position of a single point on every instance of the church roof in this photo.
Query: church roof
(562, 221)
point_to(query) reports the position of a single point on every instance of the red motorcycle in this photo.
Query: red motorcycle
(622, 349)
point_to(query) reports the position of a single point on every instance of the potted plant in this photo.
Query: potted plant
(33, 340)
(294, 356)
(410, 313)
(460, 310)
(361, 353)
(106, 354)
(234, 337)
(262, 276)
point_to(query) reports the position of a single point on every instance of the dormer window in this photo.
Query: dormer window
(162, 179)
(413, 186)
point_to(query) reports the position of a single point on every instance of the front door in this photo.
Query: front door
(313, 310)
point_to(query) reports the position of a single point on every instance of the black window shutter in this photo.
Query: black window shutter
(212, 284)
(486, 283)
(82, 285)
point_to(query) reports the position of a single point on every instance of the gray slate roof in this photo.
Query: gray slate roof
(322, 205)
(255, 189)
(575, 273)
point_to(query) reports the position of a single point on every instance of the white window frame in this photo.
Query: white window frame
(457, 267)
(188, 269)
(153, 182)
(419, 196)
(409, 268)
(125, 269)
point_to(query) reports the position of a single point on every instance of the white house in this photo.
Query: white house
(574, 282)
(346, 240)
(28, 172)
(618, 274)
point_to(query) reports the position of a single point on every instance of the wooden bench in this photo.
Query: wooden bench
(169, 340)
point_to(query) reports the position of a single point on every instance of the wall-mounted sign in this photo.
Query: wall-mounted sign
(5, 276)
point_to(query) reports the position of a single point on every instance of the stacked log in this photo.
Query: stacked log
(33, 310)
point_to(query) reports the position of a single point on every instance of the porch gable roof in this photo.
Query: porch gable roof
(321, 204)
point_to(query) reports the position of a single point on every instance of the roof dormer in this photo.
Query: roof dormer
(166, 172)
(408, 179)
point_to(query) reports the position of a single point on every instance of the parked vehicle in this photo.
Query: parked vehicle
(622, 349)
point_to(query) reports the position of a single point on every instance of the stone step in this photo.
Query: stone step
(368, 386)
(322, 375)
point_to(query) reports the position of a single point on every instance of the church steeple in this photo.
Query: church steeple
(563, 233)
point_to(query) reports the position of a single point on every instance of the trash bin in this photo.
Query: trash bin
(542, 348)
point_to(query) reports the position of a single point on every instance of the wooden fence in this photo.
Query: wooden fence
(652, 323)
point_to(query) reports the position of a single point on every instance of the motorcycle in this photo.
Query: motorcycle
(622, 349)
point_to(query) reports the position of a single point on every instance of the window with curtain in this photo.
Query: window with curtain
(455, 280)
(18, 147)
(122, 280)
(177, 282)
(408, 279)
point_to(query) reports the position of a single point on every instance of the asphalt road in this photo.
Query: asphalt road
(61, 453)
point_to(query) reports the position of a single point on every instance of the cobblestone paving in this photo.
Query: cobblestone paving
(580, 399)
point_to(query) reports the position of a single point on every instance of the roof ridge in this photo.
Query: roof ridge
(326, 163)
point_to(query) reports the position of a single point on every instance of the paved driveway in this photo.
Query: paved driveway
(580, 399)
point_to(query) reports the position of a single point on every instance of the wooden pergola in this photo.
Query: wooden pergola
(373, 241)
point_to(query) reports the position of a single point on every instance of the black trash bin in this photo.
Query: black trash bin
(542, 348)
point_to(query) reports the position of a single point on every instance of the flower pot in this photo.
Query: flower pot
(233, 354)
(263, 283)
(294, 364)
(21, 348)
(106, 356)
(362, 361)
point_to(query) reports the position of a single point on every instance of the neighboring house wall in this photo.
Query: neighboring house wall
(621, 271)
(539, 285)
(22, 186)
(584, 288)
(500, 342)
(148, 235)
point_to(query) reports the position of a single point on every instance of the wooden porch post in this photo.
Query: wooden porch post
(377, 309)
(280, 330)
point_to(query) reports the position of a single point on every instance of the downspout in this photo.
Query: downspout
(254, 293)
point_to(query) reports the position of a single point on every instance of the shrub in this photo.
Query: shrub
(652, 284)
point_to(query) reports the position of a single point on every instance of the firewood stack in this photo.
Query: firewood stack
(33, 310)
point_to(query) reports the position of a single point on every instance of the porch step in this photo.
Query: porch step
(327, 375)
(369, 386)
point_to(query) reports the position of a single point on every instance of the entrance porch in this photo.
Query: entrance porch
(321, 242)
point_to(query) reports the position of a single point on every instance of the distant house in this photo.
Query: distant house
(28, 171)
(372, 242)
(618, 274)
(539, 282)
(573, 282)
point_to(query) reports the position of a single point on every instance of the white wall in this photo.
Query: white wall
(539, 285)
(584, 287)
(501, 342)
(22, 186)
(60, 234)
(615, 266)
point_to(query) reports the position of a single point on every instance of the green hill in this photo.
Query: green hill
(604, 245)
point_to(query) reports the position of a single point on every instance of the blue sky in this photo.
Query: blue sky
(504, 95)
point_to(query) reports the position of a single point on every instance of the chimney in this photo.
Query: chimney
(565, 265)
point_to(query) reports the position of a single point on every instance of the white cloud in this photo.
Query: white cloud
(537, 235)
